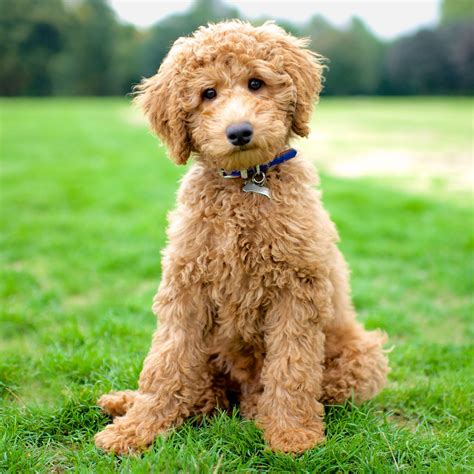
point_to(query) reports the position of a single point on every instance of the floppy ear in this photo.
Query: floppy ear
(158, 96)
(306, 70)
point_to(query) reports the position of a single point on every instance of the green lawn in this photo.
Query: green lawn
(84, 195)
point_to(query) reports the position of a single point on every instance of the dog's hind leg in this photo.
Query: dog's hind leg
(117, 403)
(356, 366)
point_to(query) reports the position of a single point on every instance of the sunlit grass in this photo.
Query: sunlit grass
(84, 195)
(414, 143)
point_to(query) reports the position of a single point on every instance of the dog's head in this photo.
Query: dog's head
(232, 93)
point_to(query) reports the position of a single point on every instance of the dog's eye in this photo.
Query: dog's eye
(255, 84)
(209, 94)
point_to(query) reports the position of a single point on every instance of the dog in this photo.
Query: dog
(254, 304)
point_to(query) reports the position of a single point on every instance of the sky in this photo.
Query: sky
(386, 18)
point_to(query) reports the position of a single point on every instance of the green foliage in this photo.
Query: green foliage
(58, 47)
(163, 34)
(85, 190)
(354, 55)
(435, 61)
(32, 33)
(87, 64)
(453, 11)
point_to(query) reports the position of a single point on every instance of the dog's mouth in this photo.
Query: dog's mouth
(245, 156)
(243, 148)
(238, 149)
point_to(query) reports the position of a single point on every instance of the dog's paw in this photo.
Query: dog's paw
(114, 440)
(295, 440)
(117, 403)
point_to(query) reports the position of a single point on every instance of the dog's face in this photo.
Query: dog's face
(233, 94)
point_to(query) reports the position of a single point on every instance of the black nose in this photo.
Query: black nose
(239, 134)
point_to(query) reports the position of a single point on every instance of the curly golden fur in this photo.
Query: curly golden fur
(254, 304)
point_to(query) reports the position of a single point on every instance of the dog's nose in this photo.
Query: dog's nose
(239, 134)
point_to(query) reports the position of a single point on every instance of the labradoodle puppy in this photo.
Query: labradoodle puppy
(254, 303)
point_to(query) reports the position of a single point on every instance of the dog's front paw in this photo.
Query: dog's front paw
(294, 440)
(115, 440)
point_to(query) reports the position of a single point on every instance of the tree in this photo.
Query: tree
(31, 34)
(354, 56)
(164, 33)
(459, 40)
(432, 61)
(455, 11)
(419, 64)
(77, 47)
(128, 63)
(87, 63)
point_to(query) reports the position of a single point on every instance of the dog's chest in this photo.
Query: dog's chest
(249, 238)
(254, 253)
(245, 249)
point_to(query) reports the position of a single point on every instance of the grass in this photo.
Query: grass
(425, 141)
(84, 196)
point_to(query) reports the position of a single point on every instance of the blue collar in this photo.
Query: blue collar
(256, 170)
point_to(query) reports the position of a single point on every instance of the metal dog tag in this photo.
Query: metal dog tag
(251, 187)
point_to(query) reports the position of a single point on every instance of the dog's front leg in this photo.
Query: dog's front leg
(289, 411)
(174, 376)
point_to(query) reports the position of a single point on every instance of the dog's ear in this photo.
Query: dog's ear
(158, 97)
(305, 69)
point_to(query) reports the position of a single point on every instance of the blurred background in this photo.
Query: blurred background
(100, 47)
(85, 189)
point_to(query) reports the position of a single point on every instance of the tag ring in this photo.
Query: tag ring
(259, 178)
